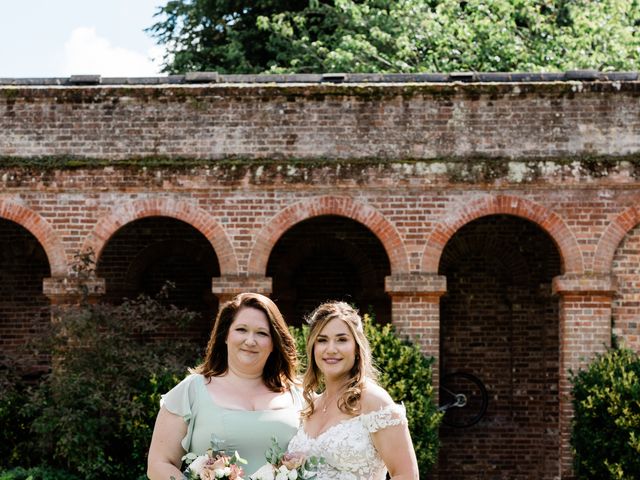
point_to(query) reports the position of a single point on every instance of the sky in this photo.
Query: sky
(59, 38)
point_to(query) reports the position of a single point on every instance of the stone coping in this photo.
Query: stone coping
(331, 78)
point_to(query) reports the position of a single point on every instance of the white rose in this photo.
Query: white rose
(198, 463)
(265, 472)
(282, 475)
(293, 474)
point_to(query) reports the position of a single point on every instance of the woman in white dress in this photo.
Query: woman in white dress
(353, 424)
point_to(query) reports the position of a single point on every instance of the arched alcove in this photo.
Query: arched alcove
(24, 309)
(329, 258)
(625, 313)
(500, 322)
(144, 254)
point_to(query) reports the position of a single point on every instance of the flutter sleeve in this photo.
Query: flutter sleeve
(180, 401)
(388, 416)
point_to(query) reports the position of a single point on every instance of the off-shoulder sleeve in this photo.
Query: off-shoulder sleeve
(388, 416)
(180, 401)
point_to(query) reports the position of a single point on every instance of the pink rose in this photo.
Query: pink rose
(292, 460)
(236, 472)
(219, 462)
(208, 472)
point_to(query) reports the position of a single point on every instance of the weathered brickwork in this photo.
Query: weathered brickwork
(562, 118)
(496, 224)
(499, 321)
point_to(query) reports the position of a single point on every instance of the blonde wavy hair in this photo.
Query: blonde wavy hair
(362, 370)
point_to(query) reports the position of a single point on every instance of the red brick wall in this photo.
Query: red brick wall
(402, 182)
(289, 121)
(500, 323)
(626, 304)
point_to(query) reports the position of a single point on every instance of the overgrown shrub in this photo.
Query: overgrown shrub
(14, 421)
(36, 473)
(94, 413)
(606, 427)
(406, 374)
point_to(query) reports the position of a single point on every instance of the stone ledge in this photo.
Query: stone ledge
(419, 284)
(70, 289)
(453, 77)
(233, 285)
(588, 283)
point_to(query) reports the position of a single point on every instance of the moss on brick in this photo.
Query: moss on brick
(465, 170)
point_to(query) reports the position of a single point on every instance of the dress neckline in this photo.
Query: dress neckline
(263, 410)
(329, 428)
(347, 420)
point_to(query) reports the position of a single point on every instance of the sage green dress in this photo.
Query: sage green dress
(248, 432)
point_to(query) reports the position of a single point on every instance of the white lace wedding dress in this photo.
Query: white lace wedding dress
(347, 448)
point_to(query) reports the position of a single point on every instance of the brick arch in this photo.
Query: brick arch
(328, 205)
(611, 238)
(165, 207)
(42, 230)
(504, 205)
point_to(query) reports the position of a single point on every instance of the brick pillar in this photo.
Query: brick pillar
(585, 329)
(70, 290)
(227, 287)
(415, 310)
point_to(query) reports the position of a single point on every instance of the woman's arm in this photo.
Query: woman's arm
(165, 452)
(392, 442)
(396, 450)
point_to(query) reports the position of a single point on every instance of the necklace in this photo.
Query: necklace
(325, 404)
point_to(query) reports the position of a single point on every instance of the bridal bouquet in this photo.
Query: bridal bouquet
(286, 466)
(214, 464)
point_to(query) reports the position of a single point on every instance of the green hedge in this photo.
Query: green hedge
(14, 419)
(36, 473)
(406, 374)
(93, 415)
(606, 426)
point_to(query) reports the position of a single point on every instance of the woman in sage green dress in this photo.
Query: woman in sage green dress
(243, 394)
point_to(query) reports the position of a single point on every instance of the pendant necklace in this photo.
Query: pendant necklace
(326, 403)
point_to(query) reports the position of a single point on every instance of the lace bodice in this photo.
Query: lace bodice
(347, 447)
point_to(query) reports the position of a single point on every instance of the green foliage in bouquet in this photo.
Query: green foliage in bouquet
(606, 427)
(406, 374)
(94, 414)
(284, 463)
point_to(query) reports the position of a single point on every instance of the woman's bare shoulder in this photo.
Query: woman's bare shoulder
(374, 397)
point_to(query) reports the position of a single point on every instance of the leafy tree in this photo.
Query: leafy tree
(407, 36)
(219, 35)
